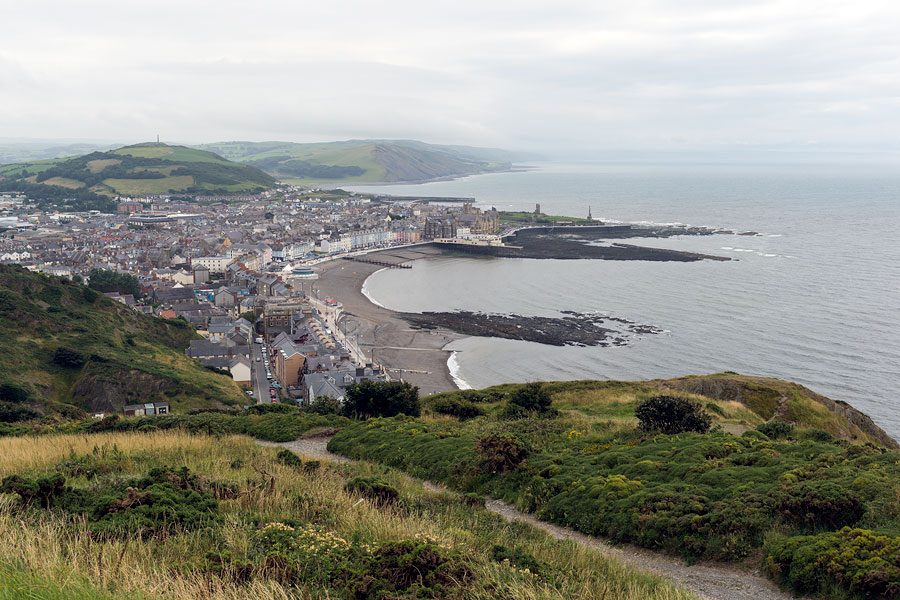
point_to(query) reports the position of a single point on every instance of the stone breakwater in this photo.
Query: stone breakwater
(587, 242)
(572, 329)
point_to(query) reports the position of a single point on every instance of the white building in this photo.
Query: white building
(214, 264)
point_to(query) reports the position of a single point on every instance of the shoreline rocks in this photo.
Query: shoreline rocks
(572, 329)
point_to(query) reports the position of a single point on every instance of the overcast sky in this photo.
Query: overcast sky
(556, 76)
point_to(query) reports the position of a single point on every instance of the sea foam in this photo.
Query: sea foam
(453, 367)
(365, 290)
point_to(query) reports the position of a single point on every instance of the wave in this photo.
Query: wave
(453, 367)
(365, 289)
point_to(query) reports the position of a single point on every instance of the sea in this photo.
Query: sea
(813, 298)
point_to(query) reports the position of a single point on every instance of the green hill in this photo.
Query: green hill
(364, 160)
(91, 180)
(69, 350)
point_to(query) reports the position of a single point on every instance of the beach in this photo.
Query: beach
(416, 356)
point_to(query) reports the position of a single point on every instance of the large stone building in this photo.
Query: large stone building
(439, 228)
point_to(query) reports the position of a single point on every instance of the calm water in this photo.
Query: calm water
(814, 299)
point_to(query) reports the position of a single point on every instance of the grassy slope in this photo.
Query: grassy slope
(225, 559)
(724, 495)
(227, 176)
(132, 357)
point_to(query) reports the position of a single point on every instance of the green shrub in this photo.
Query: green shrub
(858, 560)
(776, 430)
(289, 459)
(44, 490)
(68, 358)
(15, 413)
(518, 557)
(413, 569)
(379, 492)
(819, 504)
(462, 409)
(161, 502)
(671, 415)
(532, 397)
(501, 452)
(818, 435)
(13, 393)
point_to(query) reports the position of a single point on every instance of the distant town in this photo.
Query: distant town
(239, 269)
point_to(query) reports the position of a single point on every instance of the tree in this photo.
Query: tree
(381, 399)
(671, 414)
(112, 281)
(249, 316)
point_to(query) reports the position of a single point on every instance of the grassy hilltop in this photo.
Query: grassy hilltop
(89, 181)
(363, 160)
(69, 350)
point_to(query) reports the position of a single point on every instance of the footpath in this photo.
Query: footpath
(713, 581)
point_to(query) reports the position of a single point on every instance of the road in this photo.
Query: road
(258, 374)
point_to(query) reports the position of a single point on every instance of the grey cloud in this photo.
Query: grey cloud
(574, 76)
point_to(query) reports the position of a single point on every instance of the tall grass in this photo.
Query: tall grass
(52, 554)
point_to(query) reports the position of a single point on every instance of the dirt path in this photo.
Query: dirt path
(714, 581)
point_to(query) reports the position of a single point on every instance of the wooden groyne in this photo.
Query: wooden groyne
(380, 263)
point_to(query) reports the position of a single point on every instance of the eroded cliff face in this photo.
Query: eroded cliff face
(773, 399)
(105, 394)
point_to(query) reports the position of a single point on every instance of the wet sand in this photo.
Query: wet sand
(417, 353)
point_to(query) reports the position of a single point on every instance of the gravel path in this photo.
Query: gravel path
(713, 581)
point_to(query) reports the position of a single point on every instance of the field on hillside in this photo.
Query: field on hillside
(150, 186)
(180, 516)
(820, 514)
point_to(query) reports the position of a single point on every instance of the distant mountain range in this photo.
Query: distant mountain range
(373, 161)
(91, 179)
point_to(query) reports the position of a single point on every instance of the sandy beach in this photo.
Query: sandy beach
(415, 355)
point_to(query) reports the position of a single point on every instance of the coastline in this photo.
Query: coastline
(418, 356)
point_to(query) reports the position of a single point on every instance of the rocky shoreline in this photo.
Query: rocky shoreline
(586, 242)
(573, 329)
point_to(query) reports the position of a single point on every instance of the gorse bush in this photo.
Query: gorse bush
(819, 505)
(462, 409)
(858, 560)
(375, 490)
(289, 459)
(671, 414)
(703, 496)
(161, 502)
(501, 452)
(776, 430)
(528, 399)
